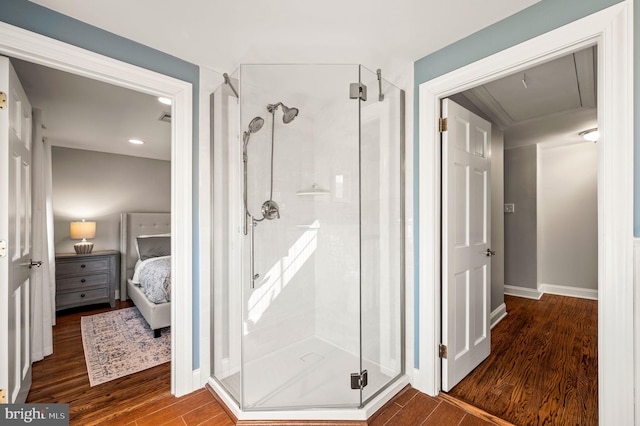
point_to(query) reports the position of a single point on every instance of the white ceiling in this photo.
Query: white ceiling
(556, 102)
(218, 35)
(87, 114)
(564, 84)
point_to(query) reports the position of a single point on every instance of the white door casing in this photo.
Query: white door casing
(466, 235)
(15, 230)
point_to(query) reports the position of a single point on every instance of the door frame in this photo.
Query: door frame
(29, 46)
(612, 30)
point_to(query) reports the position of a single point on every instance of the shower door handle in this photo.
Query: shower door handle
(252, 272)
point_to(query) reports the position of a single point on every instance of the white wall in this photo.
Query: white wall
(97, 186)
(569, 216)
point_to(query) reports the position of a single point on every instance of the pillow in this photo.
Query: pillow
(149, 246)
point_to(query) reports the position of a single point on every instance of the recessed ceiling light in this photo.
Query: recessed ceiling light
(136, 141)
(164, 100)
(591, 135)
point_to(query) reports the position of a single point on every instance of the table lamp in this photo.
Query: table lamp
(82, 231)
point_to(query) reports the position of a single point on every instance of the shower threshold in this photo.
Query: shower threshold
(290, 383)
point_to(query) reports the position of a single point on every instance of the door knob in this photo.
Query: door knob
(490, 252)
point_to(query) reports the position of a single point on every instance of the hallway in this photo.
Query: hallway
(543, 367)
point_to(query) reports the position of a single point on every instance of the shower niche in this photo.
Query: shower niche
(308, 205)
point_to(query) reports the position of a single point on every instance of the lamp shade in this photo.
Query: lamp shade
(82, 230)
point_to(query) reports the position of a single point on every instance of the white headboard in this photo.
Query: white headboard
(131, 226)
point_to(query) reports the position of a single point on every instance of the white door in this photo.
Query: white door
(15, 230)
(466, 242)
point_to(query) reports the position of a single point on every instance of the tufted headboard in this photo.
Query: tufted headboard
(131, 226)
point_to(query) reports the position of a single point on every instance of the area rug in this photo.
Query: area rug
(119, 343)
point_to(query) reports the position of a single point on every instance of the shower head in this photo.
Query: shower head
(256, 124)
(288, 114)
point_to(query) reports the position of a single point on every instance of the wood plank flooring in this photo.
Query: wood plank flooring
(145, 399)
(543, 367)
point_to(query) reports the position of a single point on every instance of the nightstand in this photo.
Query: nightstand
(87, 279)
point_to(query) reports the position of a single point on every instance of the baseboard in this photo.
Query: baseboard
(560, 290)
(497, 315)
(563, 290)
(528, 293)
(196, 382)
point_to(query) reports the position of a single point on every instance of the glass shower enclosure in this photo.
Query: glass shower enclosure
(308, 299)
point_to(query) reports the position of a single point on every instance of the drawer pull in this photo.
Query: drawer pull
(82, 295)
(83, 266)
(82, 280)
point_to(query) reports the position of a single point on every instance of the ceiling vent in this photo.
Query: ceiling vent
(165, 116)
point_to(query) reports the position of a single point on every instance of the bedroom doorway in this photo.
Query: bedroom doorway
(32, 47)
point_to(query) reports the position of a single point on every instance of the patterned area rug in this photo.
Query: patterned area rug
(119, 343)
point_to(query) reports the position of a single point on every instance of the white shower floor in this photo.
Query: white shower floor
(312, 373)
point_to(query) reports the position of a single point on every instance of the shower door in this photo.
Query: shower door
(301, 256)
(381, 232)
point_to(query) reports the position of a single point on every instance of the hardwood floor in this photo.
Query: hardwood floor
(145, 399)
(543, 367)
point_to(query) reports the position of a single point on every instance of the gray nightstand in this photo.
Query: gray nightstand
(86, 279)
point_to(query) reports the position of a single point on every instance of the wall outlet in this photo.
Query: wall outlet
(509, 208)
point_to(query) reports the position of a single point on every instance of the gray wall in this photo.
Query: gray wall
(520, 227)
(497, 217)
(97, 186)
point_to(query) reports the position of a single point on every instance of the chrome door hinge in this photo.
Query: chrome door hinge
(3, 100)
(359, 380)
(358, 91)
(443, 125)
(442, 351)
(3, 248)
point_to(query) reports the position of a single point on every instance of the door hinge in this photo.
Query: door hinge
(443, 125)
(3, 396)
(358, 91)
(3, 100)
(3, 248)
(442, 351)
(359, 380)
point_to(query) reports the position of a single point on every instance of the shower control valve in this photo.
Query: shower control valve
(270, 210)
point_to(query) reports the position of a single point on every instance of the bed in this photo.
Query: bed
(143, 225)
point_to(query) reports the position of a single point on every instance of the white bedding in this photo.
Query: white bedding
(153, 276)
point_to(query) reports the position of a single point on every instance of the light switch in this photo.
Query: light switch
(509, 208)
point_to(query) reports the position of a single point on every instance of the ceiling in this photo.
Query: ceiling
(564, 84)
(86, 114)
(220, 35)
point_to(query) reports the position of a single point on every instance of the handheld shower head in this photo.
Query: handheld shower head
(288, 114)
(255, 125)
